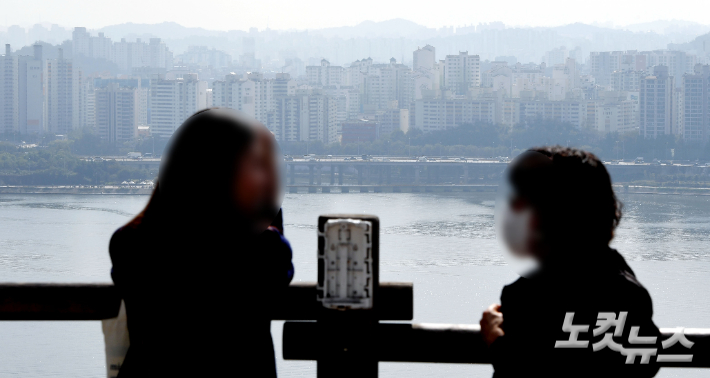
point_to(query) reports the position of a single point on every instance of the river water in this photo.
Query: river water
(443, 242)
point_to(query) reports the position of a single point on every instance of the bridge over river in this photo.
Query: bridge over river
(394, 174)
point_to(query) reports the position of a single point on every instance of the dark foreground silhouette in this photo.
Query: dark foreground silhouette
(198, 269)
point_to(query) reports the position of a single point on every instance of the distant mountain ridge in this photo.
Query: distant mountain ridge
(681, 35)
(171, 30)
(394, 28)
(397, 27)
(668, 27)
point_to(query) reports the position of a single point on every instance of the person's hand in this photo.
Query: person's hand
(491, 322)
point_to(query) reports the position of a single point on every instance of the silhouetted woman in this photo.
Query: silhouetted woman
(199, 268)
(561, 212)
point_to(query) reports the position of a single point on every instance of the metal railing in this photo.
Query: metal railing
(393, 342)
(346, 341)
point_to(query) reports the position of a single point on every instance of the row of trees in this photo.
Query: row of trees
(488, 140)
(58, 162)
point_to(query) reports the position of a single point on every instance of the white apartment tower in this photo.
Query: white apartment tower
(627, 81)
(81, 42)
(305, 118)
(348, 100)
(236, 93)
(696, 105)
(424, 58)
(325, 74)
(357, 71)
(656, 104)
(462, 72)
(173, 101)
(59, 98)
(86, 107)
(441, 114)
(252, 95)
(678, 62)
(283, 85)
(8, 92)
(615, 113)
(117, 112)
(30, 103)
(384, 84)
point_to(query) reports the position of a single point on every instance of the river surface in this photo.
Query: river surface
(444, 243)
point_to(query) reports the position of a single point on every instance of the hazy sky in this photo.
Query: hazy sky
(311, 14)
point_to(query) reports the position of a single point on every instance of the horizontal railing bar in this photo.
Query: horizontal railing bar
(395, 301)
(40, 301)
(444, 343)
(51, 301)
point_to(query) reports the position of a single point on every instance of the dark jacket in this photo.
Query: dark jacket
(199, 305)
(534, 310)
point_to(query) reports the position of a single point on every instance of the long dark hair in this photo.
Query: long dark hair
(197, 173)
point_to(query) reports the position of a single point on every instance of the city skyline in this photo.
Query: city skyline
(129, 82)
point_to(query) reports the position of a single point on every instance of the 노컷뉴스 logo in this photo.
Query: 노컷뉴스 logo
(607, 320)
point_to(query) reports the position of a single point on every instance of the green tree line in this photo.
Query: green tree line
(485, 140)
(59, 162)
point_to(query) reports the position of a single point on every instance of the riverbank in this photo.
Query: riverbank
(146, 190)
(662, 190)
(83, 190)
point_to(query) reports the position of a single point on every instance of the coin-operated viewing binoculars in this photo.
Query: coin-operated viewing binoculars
(348, 262)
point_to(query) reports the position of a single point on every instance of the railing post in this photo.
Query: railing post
(348, 283)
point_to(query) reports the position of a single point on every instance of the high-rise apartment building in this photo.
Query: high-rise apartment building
(569, 111)
(357, 71)
(59, 97)
(325, 74)
(141, 86)
(348, 100)
(205, 57)
(604, 64)
(462, 72)
(252, 94)
(87, 104)
(626, 80)
(557, 55)
(236, 93)
(656, 104)
(424, 58)
(8, 92)
(678, 62)
(383, 84)
(127, 55)
(442, 114)
(696, 105)
(305, 117)
(173, 101)
(81, 42)
(117, 110)
(615, 113)
(30, 92)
